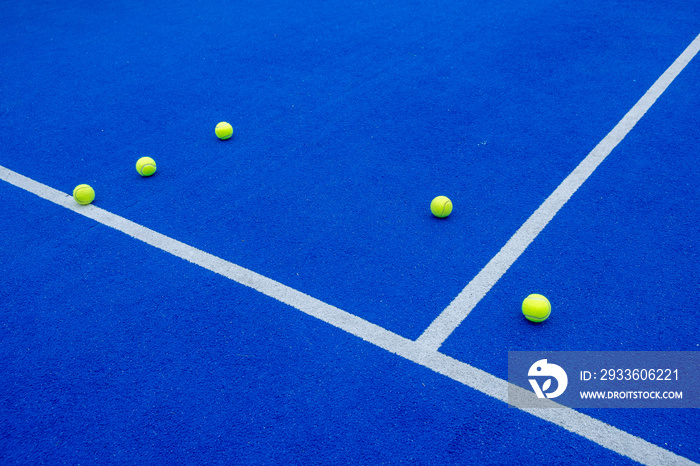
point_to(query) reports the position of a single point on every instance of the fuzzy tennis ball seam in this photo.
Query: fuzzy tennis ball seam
(536, 308)
(441, 206)
(146, 166)
(223, 130)
(83, 194)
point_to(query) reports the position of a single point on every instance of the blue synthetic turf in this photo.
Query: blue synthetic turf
(348, 120)
(619, 262)
(167, 363)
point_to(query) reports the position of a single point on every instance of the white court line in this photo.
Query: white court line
(603, 434)
(442, 327)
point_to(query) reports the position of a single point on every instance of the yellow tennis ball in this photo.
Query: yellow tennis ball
(441, 207)
(83, 194)
(146, 166)
(223, 130)
(536, 308)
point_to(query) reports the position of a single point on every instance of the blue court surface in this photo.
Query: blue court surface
(286, 296)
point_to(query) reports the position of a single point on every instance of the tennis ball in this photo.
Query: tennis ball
(441, 207)
(146, 166)
(536, 308)
(223, 130)
(83, 194)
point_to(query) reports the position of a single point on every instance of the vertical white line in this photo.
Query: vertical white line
(453, 315)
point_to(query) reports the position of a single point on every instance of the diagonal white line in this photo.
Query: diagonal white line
(332, 315)
(603, 434)
(449, 319)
